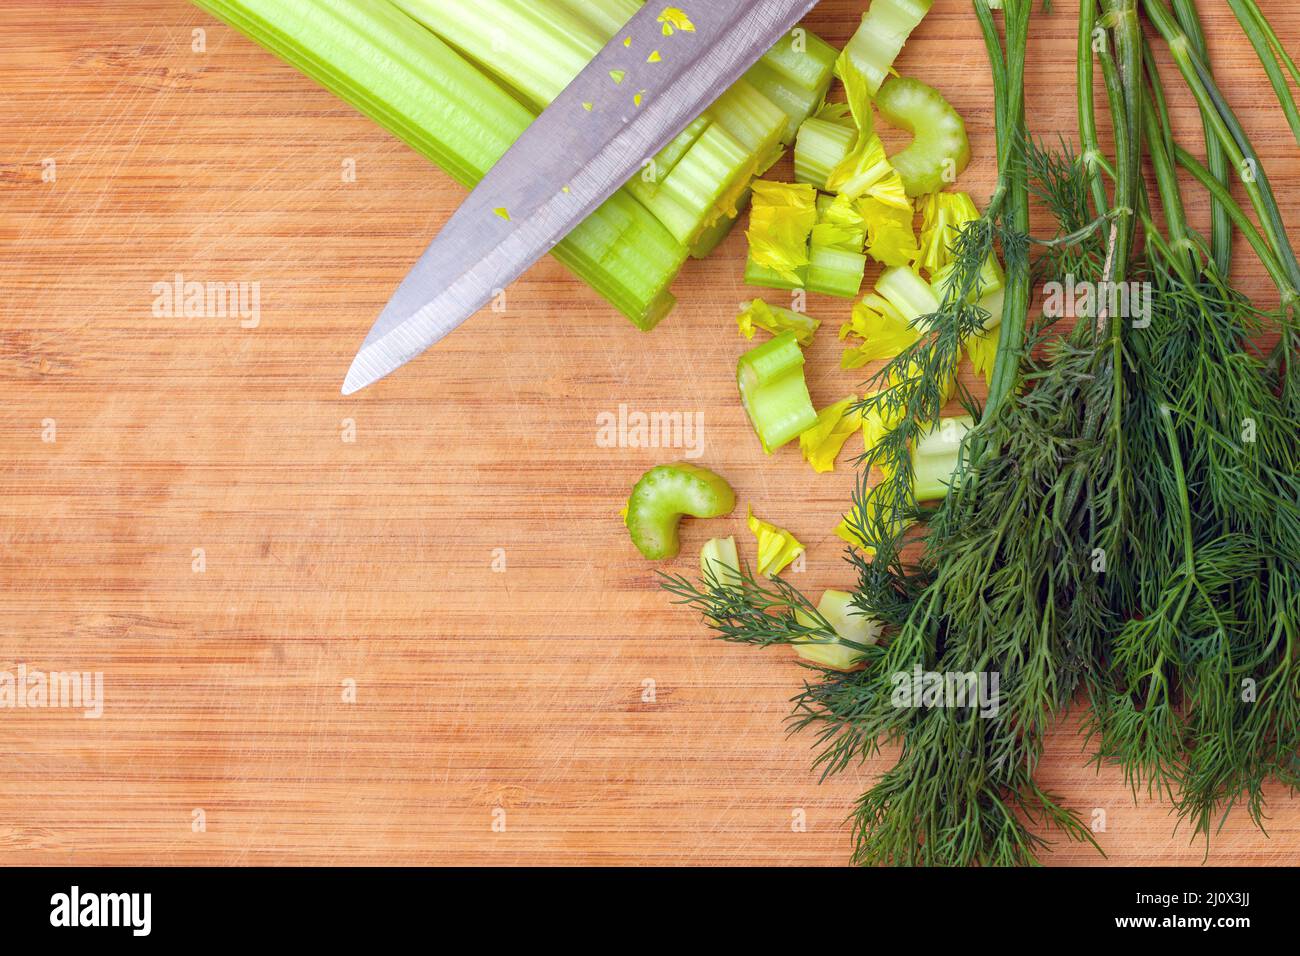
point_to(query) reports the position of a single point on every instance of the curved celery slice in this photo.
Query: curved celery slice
(880, 36)
(773, 391)
(849, 624)
(374, 57)
(819, 148)
(664, 495)
(939, 151)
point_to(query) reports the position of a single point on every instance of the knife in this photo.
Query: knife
(576, 154)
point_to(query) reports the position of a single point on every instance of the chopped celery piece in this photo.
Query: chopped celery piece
(689, 199)
(760, 275)
(834, 271)
(780, 222)
(936, 456)
(775, 319)
(663, 496)
(796, 102)
(890, 238)
(713, 236)
(821, 146)
(880, 36)
(822, 443)
(720, 561)
(645, 184)
(848, 623)
(776, 546)
(804, 59)
(377, 59)
(755, 121)
(939, 151)
(884, 331)
(907, 292)
(773, 391)
(942, 217)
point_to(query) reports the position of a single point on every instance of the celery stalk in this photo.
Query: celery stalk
(820, 147)
(936, 456)
(539, 46)
(880, 37)
(853, 630)
(378, 60)
(773, 391)
(833, 271)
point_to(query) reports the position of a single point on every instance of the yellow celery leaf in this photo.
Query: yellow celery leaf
(674, 19)
(943, 216)
(838, 113)
(822, 443)
(841, 226)
(780, 221)
(983, 352)
(885, 333)
(759, 314)
(776, 546)
(503, 212)
(864, 167)
(654, 57)
(858, 93)
(890, 239)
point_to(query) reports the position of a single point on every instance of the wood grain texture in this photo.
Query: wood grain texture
(329, 561)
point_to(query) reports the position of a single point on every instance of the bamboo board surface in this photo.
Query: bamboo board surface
(462, 560)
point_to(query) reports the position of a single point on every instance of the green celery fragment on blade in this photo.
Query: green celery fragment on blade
(776, 546)
(939, 151)
(773, 391)
(775, 319)
(663, 496)
(854, 633)
(822, 443)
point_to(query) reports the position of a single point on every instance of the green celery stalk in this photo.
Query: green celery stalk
(378, 60)
(936, 456)
(880, 37)
(795, 80)
(539, 46)
(773, 391)
(833, 271)
(820, 147)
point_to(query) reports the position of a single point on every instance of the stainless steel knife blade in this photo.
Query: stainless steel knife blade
(568, 162)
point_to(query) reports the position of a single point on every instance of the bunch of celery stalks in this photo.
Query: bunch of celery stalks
(1119, 521)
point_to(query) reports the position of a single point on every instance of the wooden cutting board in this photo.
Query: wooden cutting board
(404, 627)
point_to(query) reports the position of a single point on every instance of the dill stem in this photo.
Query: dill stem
(1229, 132)
(1257, 30)
(1220, 193)
(1009, 112)
(1125, 92)
(1092, 156)
(1216, 157)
